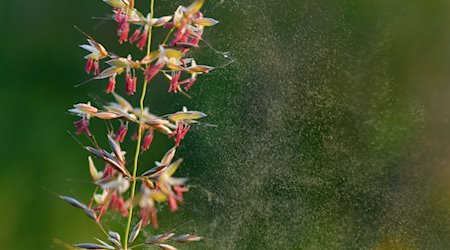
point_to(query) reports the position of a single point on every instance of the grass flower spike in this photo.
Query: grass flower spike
(118, 188)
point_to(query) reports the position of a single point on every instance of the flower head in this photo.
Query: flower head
(97, 52)
(190, 22)
(164, 57)
(158, 185)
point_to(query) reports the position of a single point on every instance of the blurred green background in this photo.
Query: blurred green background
(333, 124)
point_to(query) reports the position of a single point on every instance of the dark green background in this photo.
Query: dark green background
(333, 125)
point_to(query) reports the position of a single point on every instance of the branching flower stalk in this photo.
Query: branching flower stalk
(157, 185)
(139, 131)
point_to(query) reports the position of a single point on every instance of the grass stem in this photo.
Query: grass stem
(139, 136)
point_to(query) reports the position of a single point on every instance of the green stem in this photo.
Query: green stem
(149, 42)
(168, 35)
(102, 228)
(139, 137)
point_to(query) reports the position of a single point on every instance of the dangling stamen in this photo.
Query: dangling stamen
(121, 133)
(148, 139)
(153, 70)
(172, 203)
(135, 36)
(193, 80)
(82, 126)
(96, 68)
(89, 64)
(111, 84)
(143, 40)
(174, 82)
(130, 82)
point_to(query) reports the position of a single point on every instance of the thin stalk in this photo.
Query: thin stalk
(139, 137)
(64, 244)
(102, 228)
(149, 42)
(168, 35)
